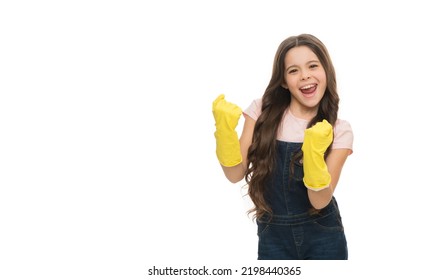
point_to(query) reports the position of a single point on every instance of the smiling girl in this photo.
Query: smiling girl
(291, 153)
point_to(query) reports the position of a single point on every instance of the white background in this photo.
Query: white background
(107, 160)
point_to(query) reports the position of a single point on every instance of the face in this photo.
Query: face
(305, 78)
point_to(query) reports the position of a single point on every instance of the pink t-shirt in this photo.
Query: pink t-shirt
(292, 128)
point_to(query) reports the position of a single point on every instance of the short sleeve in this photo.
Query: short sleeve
(254, 109)
(343, 135)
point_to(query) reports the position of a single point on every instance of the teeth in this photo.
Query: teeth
(307, 87)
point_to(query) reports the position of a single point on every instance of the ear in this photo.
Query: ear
(284, 85)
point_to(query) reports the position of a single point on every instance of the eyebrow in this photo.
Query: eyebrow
(309, 62)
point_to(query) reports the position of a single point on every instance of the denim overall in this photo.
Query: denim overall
(295, 231)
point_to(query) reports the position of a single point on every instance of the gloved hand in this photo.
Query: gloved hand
(316, 141)
(226, 116)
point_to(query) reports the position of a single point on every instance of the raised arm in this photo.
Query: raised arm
(321, 175)
(335, 161)
(231, 151)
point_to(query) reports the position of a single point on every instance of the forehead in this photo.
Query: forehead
(300, 55)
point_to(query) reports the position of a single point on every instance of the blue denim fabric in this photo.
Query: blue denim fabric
(295, 231)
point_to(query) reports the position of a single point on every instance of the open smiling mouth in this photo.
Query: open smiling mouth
(309, 89)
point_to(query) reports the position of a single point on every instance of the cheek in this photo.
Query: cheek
(290, 82)
(323, 80)
(323, 77)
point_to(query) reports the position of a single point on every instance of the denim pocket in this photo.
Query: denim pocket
(262, 228)
(331, 222)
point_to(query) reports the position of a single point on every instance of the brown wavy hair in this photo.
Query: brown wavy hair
(276, 99)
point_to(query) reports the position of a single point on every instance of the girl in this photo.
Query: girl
(291, 153)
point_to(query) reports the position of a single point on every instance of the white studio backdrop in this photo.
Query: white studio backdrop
(107, 152)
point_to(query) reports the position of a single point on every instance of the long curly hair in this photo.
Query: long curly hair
(276, 99)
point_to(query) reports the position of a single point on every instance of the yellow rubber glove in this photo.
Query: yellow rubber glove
(226, 116)
(316, 141)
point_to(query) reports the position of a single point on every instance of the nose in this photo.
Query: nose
(305, 76)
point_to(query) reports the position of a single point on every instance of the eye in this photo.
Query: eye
(292, 71)
(314, 65)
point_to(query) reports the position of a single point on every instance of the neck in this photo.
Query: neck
(303, 113)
